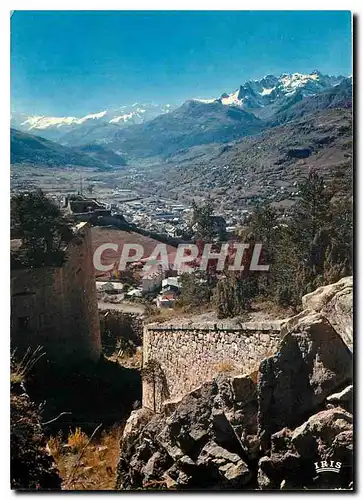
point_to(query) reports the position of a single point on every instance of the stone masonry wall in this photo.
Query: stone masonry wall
(187, 357)
(56, 307)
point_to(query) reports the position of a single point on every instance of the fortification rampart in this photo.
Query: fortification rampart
(185, 357)
(56, 307)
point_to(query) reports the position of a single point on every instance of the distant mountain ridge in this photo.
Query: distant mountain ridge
(197, 122)
(338, 96)
(256, 106)
(55, 127)
(266, 166)
(256, 94)
(30, 149)
(193, 123)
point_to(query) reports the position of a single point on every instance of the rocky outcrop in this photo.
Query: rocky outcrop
(343, 398)
(208, 441)
(32, 466)
(136, 421)
(311, 362)
(211, 441)
(335, 302)
(295, 455)
(259, 431)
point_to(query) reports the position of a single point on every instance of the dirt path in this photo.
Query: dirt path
(123, 307)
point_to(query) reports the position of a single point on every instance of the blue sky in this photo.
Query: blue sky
(77, 62)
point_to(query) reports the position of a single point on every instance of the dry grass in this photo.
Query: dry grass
(77, 440)
(20, 369)
(250, 367)
(85, 466)
(225, 367)
(162, 315)
(55, 446)
(270, 310)
(129, 360)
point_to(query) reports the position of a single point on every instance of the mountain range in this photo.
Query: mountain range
(57, 128)
(257, 94)
(266, 166)
(136, 132)
(218, 121)
(33, 150)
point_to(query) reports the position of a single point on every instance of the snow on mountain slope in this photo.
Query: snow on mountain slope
(256, 94)
(262, 98)
(42, 122)
(124, 115)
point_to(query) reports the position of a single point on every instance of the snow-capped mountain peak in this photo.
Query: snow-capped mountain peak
(43, 122)
(230, 99)
(123, 115)
(255, 94)
(95, 116)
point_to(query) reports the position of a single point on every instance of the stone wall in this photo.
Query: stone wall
(56, 307)
(187, 357)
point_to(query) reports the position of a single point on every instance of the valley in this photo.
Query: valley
(266, 167)
(250, 146)
(271, 162)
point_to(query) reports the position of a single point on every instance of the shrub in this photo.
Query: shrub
(232, 296)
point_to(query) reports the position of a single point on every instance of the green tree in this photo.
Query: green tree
(310, 247)
(263, 223)
(38, 222)
(154, 374)
(232, 296)
(316, 247)
(195, 289)
(312, 212)
(202, 221)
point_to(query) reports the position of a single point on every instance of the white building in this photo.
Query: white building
(152, 279)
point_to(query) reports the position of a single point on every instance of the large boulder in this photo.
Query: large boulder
(343, 398)
(206, 440)
(335, 302)
(295, 455)
(228, 468)
(134, 424)
(237, 396)
(315, 438)
(311, 362)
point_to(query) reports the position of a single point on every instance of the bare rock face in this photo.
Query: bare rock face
(267, 431)
(343, 398)
(326, 436)
(316, 437)
(208, 441)
(312, 362)
(137, 419)
(335, 302)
